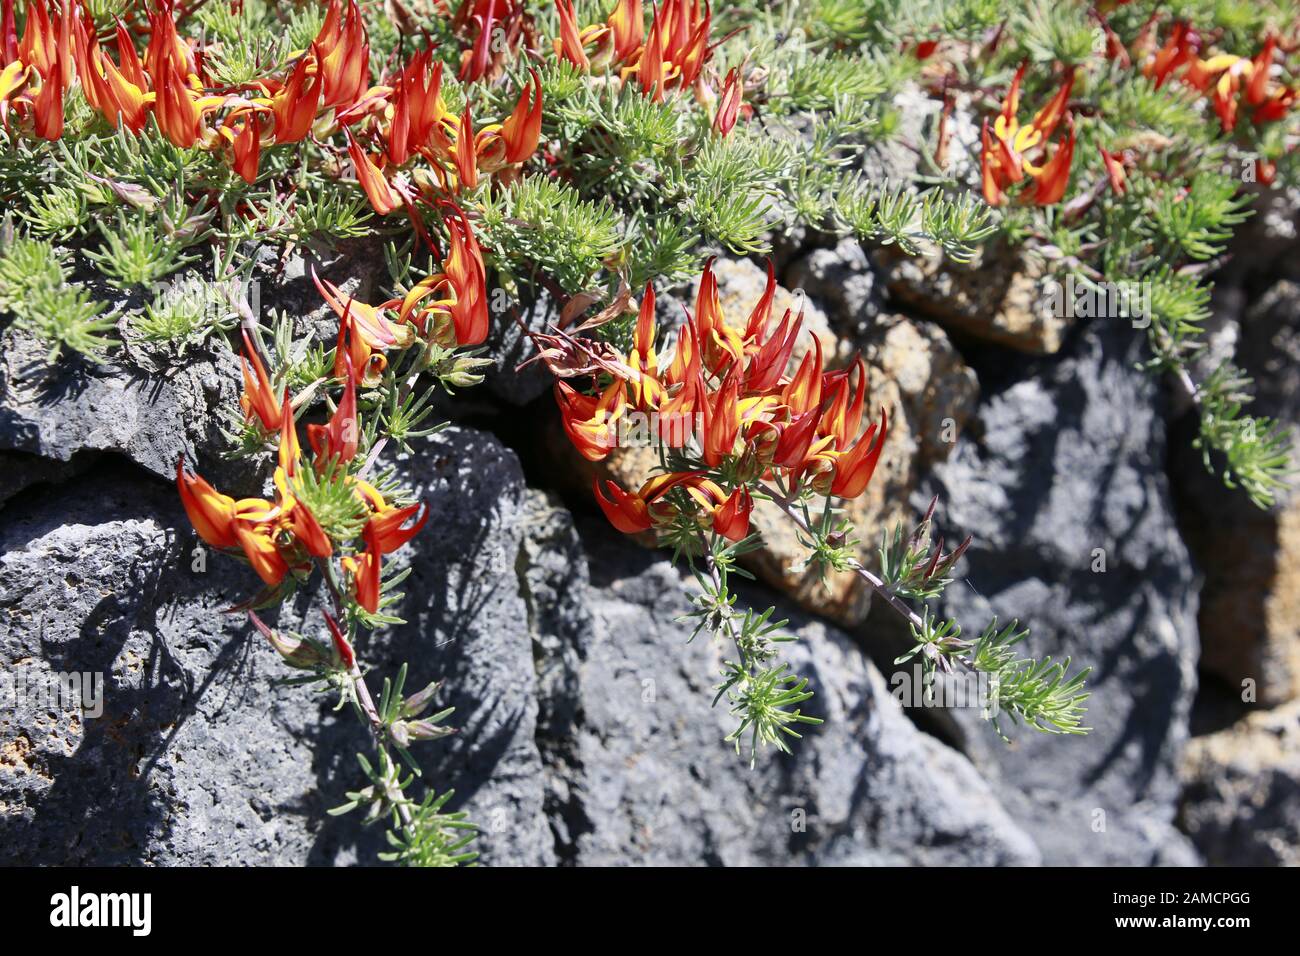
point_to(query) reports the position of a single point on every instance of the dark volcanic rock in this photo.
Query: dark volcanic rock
(639, 773)
(1250, 629)
(1241, 806)
(65, 410)
(586, 732)
(508, 346)
(1065, 469)
(196, 757)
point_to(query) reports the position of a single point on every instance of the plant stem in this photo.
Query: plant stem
(363, 698)
(720, 591)
(877, 583)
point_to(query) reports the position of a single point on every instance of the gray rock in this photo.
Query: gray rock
(197, 758)
(637, 770)
(61, 411)
(20, 471)
(1067, 460)
(897, 159)
(842, 282)
(194, 759)
(508, 345)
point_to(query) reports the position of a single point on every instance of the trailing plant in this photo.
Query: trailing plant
(732, 427)
(583, 151)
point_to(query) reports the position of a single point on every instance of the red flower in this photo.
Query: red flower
(733, 92)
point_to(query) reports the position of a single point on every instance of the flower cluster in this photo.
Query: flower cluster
(726, 407)
(320, 510)
(327, 89)
(1232, 81)
(670, 56)
(1011, 152)
(441, 311)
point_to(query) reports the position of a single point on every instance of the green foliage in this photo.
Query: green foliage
(34, 287)
(1257, 451)
(433, 838)
(184, 314)
(330, 497)
(135, 252)
(1042, 694)
(542, 221)
(762, 694)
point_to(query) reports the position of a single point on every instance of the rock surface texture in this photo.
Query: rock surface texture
(587, 735)
(1060, 477)
(586, 732)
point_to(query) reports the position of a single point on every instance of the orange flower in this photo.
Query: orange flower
(722, 420)
(853, 470)
(342, 54)
(258, 397)
(570, 44)
(591, 423)
(487, 17)
(1224, 98)
(1178, 50)
(1010, 151)
(337, 439)
(383, 534)
(47, 107)
(387, 526)
(1114, 163)
(626, 512)
(633, 513)
(731, 518)
(456, 296)
(466, 155)
(1051, 180)
(417, 108)
(294, 104)
(251, 524)
(523, 128)
(676, 48)
(243, 130)
(383, 198)
(1257, 88)
(120, 93)
(210, 512)
(627, 24)
(364, 569)
(364, 333)
(647, 392)
(721, 344)
(843, 416)
(295, 516)
(40, 46)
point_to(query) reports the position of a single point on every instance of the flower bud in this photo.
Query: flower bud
(343, 654)
(463, 371)
(416, 704)
(297, 651)
(422, 730)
